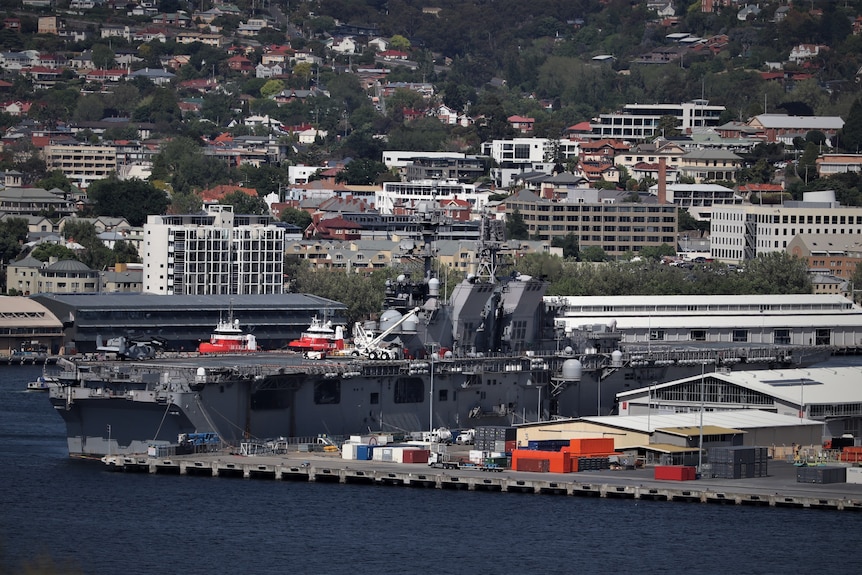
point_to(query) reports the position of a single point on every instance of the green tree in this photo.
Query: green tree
(299, 218)
(569, 243)
(271, 88)
(362, 172)
(182, 163)
(361, 293)
(245, 204)
(46, 251)
(593, 254)
(13, 233)
(131, 199)
(399, 42)
(850, 136)
(516, 228)
(776, 273)
(55, 179)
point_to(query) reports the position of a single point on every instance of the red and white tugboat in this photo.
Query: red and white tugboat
(229, 338)
(320, 337)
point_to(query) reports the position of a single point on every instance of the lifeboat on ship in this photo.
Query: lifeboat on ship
(320, 336)
(229, 338)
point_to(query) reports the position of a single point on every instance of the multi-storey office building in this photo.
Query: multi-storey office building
(617, 228)
(214, 253)
(743, 232)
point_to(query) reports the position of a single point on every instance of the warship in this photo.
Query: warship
(491, 353)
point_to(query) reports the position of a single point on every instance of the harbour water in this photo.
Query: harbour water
(72, 516)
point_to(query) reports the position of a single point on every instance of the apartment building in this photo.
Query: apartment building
(641, 121)
(214, 253)
(81, 163)
(743, 232)
(616, 227)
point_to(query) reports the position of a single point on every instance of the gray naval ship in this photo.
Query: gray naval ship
(489, 355)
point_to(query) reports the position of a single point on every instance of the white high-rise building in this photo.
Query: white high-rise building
(216, 252)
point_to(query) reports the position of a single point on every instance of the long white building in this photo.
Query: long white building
(640, 121)
(408, 194)
(742, 232)
(213, 253)
(799, 320)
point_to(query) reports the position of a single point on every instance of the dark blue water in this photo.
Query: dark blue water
(73, 516)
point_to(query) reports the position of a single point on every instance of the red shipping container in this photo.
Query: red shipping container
(675, 473)
(511, 446)
(416, 456)
(534, 465)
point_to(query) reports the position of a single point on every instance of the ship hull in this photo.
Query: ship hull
(130, 413)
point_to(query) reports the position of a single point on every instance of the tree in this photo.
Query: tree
(299, 218)
(516, 228)
(776, 273)
(361, 293)
(271, 88)
(182, 163)
(13, 233)
(593, 254)
(362, 172)
(850, 136)
(399, 42)
(245, 204)
(569, 243)
(132, 199)
(55, 179)
(44, 252)
(103, 57)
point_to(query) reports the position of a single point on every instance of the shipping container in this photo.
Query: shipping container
(591, 445)
(533, 465)
(364, 452)
(348, 451)
(821, 474)
(854, 475)
(675, 473)
(415, 456)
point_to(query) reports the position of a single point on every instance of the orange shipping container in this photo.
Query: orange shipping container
(590, 445)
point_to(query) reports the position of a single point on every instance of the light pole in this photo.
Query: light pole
(649, 406)
(431, 394)
(700, 441)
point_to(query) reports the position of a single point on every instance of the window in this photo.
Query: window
(740, 335)
(374, 399)
(781, 337)
(698, 335)
(823, 336)
(656, 334)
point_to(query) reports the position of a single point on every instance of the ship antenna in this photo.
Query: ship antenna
(491, 238)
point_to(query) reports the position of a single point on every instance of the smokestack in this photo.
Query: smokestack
(662, 180)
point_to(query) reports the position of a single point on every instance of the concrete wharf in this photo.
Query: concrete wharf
(779, 489)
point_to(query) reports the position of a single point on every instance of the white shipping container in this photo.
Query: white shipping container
(348, 451)
(854, 475)
(382, 454)
(477, 456)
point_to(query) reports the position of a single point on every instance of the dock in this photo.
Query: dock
(778, 490)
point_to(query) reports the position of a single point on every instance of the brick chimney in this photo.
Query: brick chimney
(662, 180)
